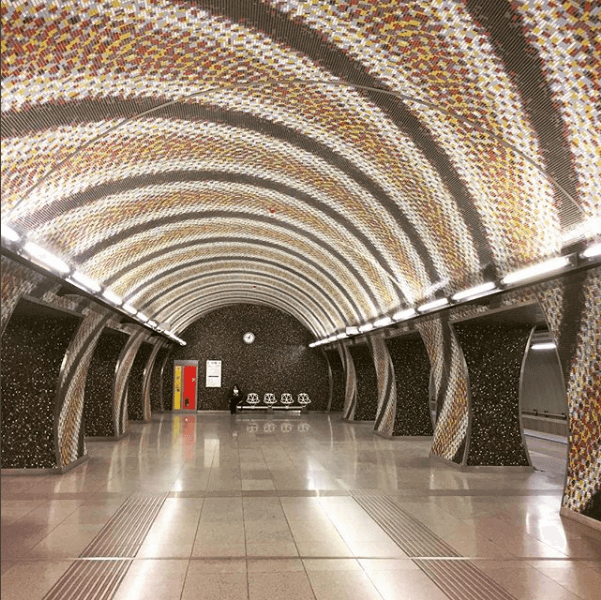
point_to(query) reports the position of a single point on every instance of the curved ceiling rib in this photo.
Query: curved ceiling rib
(172, 293)
(356, 158)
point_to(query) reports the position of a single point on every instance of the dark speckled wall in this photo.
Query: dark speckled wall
(100, 384)
(278, 361)
(135, 399)
(367, 383)
(156, 396)
(494, 355)
(338, 379)
(33, 348)
(412, 373)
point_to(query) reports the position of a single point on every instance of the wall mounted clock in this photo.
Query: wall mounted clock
(249, 337)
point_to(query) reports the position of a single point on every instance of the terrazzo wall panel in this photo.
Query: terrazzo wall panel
(277, 361)
(386, 386)
(100, 384)
(338, 380)
(412, 378)
(156, 379)
(34, 344)
(494, 354)
(135, 387)
(367, 383)
(350, 388)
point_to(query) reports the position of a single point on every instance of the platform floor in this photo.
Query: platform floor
(290, 507)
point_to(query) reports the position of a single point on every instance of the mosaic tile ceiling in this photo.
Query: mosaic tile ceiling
(338, 160)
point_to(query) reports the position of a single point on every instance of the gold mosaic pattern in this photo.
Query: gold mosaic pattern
(385, 415)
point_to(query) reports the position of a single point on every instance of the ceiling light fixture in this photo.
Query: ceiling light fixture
(54, 263)
(112, 297)
(548, 266)
(432, 305)
(382, 322)
(404, 314)
(142, 317)
(366, 327)
(8, 233)
(592, 251)
(352, 330)
(475, 292)
(129, 309)
(341, 336)
(85, 281)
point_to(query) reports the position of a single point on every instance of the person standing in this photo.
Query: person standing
(235, 398)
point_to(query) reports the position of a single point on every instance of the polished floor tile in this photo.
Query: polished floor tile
(263, 507)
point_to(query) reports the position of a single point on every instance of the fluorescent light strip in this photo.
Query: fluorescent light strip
(53, 262)
(341, 336)
(366, 327)
(129, 309)
(382, 322)
(8, 233)
(554, 264)
(475, 291)
(432, 305)
(112, 297)
(142, 317)
(352, 330)
(543, 346)
(404, 314)
(592, 251)
(86, 281)
(152, 324)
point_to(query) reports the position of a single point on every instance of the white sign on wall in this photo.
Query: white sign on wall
(213, 373)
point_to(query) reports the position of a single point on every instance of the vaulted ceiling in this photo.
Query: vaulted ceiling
(336, 160)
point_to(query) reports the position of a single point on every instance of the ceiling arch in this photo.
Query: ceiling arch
(378, 152)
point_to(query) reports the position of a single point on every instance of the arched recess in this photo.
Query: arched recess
(36, 339)
(411, 365)
(100, 384)
(367, 383)
(137, 410)
(338, 380)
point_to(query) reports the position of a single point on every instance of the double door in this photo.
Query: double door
(185, 384)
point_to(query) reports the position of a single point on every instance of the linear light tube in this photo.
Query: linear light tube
(47, 258)
(112, 297)
(152, 324)
(366, 327)
(382, 322)
(142, 317)
(312, 345)
(352, 330)
(592, 251)
(404, 314)
(86, 281)
(10, 234)
(554, 264)
(341, 336)
(432, 305)
(543, 346)
(129, 308)
(475, 291)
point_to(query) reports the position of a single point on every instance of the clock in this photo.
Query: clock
(249, 337)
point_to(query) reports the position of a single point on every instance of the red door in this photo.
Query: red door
(189, 395)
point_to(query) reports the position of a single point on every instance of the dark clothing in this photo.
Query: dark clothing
(234, 400)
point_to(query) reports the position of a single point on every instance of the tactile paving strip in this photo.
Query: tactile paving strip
(458, 579)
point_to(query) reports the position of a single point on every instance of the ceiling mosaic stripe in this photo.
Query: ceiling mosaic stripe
(141, 278)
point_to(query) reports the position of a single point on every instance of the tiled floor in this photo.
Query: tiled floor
(267, 508)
